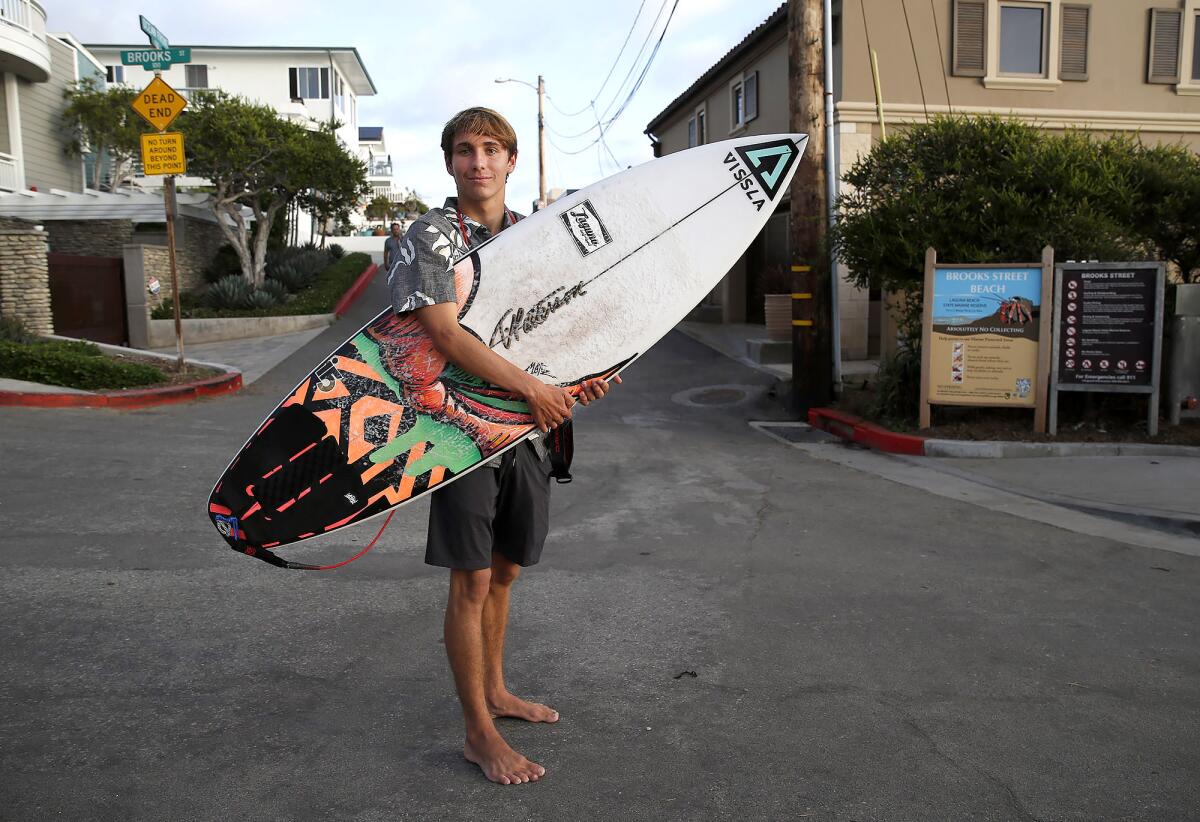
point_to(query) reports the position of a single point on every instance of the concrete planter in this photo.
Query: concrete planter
(218, 329)
(778, 311)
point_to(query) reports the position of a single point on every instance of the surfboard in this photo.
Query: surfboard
(579, 289)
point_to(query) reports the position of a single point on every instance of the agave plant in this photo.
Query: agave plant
(261, 298)
(336, 251)
(276, 289)
(229, 292)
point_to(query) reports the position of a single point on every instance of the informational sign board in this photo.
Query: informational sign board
(153, 59)
(1108, 324)
(985, 336)
(162, 153)
(159, 104)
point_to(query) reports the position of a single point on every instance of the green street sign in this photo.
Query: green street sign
(156, 59)
(157, 38)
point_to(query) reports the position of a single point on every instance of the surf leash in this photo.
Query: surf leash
(267, 557)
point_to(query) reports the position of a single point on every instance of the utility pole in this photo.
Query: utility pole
(541, 90)
(812, 292)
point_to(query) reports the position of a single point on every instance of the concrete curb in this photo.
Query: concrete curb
(356, 290)
(855, 429)
(161, 333)
(226, 383)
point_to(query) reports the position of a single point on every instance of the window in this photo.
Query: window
(743, 100)
(1023, 28)
(195, 76)
(698, 128)
(115, 74)
(308, 83)
(1196, 47)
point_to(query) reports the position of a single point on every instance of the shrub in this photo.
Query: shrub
(72, 364)
(291, 279)
(225, 263)
(13, 330)
(261, 298)
(276, 290)
(336, 251)
(229, 292)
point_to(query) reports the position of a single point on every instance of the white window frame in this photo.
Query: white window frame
(736, 85)
(699, 125)
(116, 69)
(1187, 56)
(1051, 36)
(189, 68)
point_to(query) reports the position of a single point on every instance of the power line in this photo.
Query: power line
(916, 62)
(937, 32)
(632, 67)
(632, 92)
(611, 68)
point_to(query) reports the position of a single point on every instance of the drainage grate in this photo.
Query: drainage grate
(716, 396)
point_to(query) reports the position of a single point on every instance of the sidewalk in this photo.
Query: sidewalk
(1154, 487)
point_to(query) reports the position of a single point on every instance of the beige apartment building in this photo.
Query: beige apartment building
(1110, 66)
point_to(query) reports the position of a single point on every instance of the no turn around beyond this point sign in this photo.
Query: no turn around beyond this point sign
(163, 153)
(159, 104)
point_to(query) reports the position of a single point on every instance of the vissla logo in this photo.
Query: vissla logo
(766, 164)
(586, 227)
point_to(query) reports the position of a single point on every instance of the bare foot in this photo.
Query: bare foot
(500, 763)
(506, 704)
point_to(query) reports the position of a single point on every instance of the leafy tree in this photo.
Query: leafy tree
(101, 122)
(983, 190)
(1168, 179)
(380, 208)
(413, 204)
(256, 159)
(336, 181)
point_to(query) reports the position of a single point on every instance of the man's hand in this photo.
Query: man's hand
(595, 389)
(549, 404)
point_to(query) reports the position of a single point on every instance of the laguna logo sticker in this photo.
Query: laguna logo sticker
(586, 228)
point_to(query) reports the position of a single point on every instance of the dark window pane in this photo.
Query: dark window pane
(751, 89)
(1196, 49)
(691, 132)
(1021, 40)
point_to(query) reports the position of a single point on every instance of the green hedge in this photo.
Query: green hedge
(320, 298)
(72, 365)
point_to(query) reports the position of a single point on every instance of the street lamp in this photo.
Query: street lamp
(540, 88)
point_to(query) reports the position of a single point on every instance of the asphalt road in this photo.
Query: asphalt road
(862, 649)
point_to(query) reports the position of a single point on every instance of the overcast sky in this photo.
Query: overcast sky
(430, 60)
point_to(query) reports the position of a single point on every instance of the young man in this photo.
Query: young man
(486, 526)
(391, 248)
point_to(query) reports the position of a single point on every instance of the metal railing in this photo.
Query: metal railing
(8, 172)
(17, 13)
(380, 170)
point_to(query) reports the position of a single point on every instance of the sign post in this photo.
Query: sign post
(1108, 323)
(162, 153)
(985, 336)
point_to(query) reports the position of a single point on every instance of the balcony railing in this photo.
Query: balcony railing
(8, 172)
(380, 170)
(16, 13)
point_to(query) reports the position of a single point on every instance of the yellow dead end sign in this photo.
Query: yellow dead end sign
(159, 104)
(162, 153)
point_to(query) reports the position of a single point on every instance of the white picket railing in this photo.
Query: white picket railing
(17, 13)
(8, 172)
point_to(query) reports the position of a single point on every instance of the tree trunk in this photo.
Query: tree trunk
(812, 352)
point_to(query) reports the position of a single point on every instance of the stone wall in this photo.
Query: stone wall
(25, 279)
(156, 263)
(90, 238)
(196, 243)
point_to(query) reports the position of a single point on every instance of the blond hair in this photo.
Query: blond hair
(479, 121)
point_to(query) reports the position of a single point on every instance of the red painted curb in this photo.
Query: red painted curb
(856, 429)
(131, 397)
(356, 290)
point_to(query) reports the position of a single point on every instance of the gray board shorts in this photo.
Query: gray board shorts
(504, 509)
